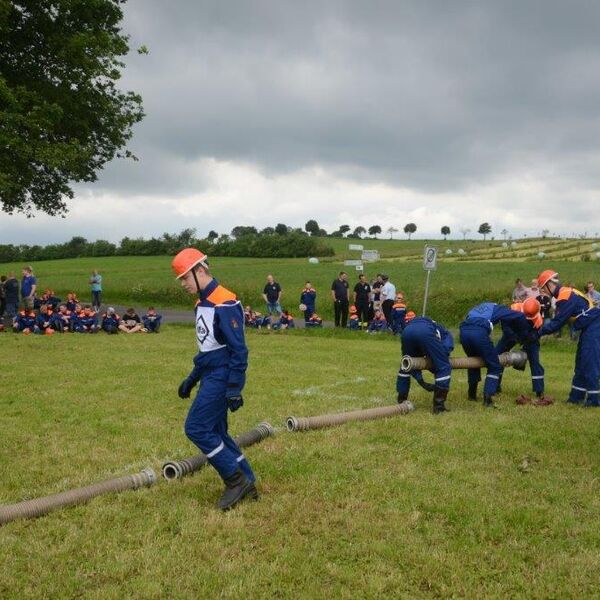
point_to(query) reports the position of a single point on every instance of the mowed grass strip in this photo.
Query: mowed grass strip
(472, 503)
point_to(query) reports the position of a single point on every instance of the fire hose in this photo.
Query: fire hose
(179, 468)
(515, 359)
(369, 414)
(41, 506)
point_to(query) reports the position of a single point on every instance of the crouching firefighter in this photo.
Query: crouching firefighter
(576, 308)
(422, 336)
(475, 338)
(220, 366)
(531, 346)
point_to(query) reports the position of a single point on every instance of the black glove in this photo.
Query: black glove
(186, 387)
(235, 402)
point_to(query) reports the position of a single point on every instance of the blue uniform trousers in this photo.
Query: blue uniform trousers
(206, 426)
(420, 339)
(308, 313)
(476, 341)
(507, 342)
(586, 379)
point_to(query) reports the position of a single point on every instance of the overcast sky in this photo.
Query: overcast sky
(437, 113)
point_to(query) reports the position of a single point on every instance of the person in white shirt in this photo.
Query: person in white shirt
(388, 296)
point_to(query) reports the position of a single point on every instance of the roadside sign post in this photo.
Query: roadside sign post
(429, 264)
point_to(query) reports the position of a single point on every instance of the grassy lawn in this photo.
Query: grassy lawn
(473, 503)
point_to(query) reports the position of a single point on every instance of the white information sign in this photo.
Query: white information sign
(356, 247)
(370, 255)
(359, 268)
(430, 258)
(353, 263)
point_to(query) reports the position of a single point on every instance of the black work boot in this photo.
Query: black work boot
(237, 487)
(488, 402)
(439, 399)
(472, 391)
(402, 397)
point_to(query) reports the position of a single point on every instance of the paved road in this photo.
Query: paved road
(172, 315)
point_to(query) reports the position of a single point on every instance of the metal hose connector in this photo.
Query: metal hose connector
(175, 469)
(516, 358)
(41, 506)
(369, 414)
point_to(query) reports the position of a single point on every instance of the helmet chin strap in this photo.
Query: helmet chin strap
(196, 280)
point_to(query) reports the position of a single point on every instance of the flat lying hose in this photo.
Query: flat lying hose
(516, 359)
(41, 506)
(176, 469)
(322, 421)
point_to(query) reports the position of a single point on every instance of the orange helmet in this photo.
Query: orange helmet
(545, 276)
(410, 315)
(352, 309)
(531, 308)
(49, 331)
(186, 260)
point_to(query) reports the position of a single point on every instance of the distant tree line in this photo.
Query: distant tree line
(272, 242)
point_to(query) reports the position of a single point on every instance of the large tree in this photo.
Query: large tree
(62, 116)
(445, 231)
(312, 227)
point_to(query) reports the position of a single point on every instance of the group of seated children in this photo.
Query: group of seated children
(398, 316)
(71, 317)
(257, 320)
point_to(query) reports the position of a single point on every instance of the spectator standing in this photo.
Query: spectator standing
(96, 286)
(362, 295)
(308, 298)
(388, 296)
(28, 287)
(376, 289)
(341, 301)
(520, 293)
(592, 293)
(272, 295)
(11, 297)
(2, 296)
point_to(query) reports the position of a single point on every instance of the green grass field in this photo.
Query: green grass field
(456, 286)
(473, 503)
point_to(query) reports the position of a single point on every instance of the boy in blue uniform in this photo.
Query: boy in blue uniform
(398, 314)
(574, 307)
(475, 338)
(44, 320)
(220, 365)
(24, 322)
(532, 310)
(62, 319)
(110, 321)
(308, 301)
(422, 336)
(315, 321)
(152, 320)
(379, 323)
(354, 321)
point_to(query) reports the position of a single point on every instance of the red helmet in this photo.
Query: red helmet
(545, 276)
(186, 260)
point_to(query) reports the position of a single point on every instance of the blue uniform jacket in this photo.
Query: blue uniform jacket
(488, 314)
(220, 335)
(570, 304)
(308, 297)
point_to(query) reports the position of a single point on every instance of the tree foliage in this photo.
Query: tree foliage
(374, 230)
(409, 229)
(484, 229)
(312, 227)
(445, 231)
(62, 116)
(359, 231)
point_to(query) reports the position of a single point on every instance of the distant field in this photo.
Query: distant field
(455, 286)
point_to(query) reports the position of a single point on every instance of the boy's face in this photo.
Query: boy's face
(188, 283)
